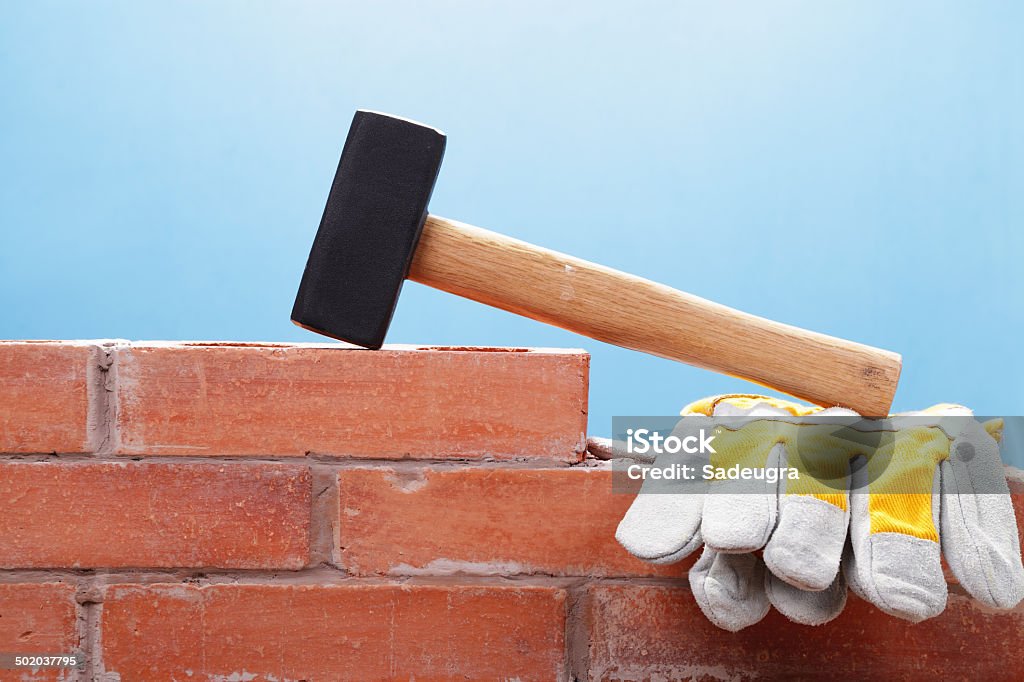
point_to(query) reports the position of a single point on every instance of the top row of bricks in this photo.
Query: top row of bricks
(279, 400)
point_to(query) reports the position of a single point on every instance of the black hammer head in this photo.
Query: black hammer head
(370, 228)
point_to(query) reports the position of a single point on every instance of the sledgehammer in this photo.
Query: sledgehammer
(376, 231)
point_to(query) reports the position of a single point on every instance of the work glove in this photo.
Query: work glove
(893, 557)
(934, 491)
(802, 530)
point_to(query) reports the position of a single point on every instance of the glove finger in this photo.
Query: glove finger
(895, 560)
(739, 515)
(849, 572)
(803, 606)
(806, 548)
(729, 589)
(662, 525)
(661, 528)
(978, 526)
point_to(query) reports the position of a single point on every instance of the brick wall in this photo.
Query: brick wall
(240, 512)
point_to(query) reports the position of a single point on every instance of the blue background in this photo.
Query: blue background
(850, 167)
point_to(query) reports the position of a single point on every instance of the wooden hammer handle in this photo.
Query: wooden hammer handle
(636, 313)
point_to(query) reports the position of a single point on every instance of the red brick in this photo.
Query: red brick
(333, 632)
(484, 521)
(44, 397)
(37, 619)
(646, 633)
(89, 515)
(333, 400)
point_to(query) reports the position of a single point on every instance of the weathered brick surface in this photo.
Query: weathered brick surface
(86, 515)
(484, 521)
(333, 632)
(405, 534)
(647, 633)
(34, 619)
(411, 403)
(44, 397)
